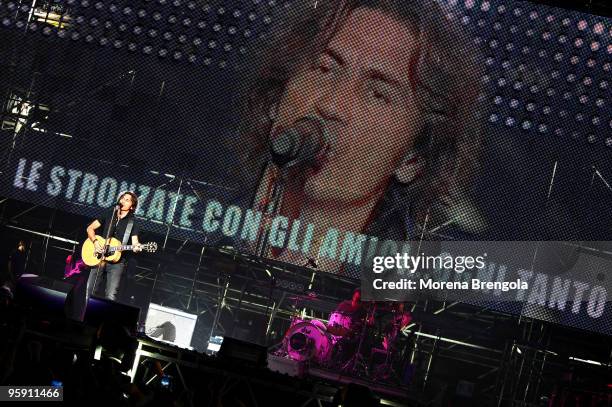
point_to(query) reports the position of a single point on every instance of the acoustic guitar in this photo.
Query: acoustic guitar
(113, 251)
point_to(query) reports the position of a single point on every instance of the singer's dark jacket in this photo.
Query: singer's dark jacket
(117, 228)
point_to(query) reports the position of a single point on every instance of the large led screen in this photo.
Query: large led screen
(314, 132)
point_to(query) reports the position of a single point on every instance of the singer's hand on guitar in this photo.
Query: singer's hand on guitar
(98, 247)
(137, 248)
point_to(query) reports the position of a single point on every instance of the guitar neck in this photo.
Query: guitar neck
(121, 248)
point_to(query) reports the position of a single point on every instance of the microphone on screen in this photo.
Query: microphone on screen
(300, 144)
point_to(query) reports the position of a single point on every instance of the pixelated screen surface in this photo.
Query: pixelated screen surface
(302, 130)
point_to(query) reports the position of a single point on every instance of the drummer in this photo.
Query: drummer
(352, 308)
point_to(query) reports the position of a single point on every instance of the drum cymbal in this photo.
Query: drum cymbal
(304, 298)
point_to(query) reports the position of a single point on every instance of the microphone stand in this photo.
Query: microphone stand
(273, 205)
(102, 267)
(295, 147)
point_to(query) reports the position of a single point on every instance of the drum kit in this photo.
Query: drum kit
(347, 343)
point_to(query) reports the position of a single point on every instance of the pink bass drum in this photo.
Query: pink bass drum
(308, 341)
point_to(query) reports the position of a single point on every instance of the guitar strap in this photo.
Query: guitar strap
(128, 231)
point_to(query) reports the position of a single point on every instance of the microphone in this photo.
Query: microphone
(301, 143)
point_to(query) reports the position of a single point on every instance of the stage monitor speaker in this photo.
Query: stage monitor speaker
(101, 309)
(44, 295)
(245, 352)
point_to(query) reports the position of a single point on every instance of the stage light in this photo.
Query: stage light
(587, 361)
(214, 344)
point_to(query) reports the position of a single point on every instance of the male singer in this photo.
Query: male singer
(118, 219)
(395, 84)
